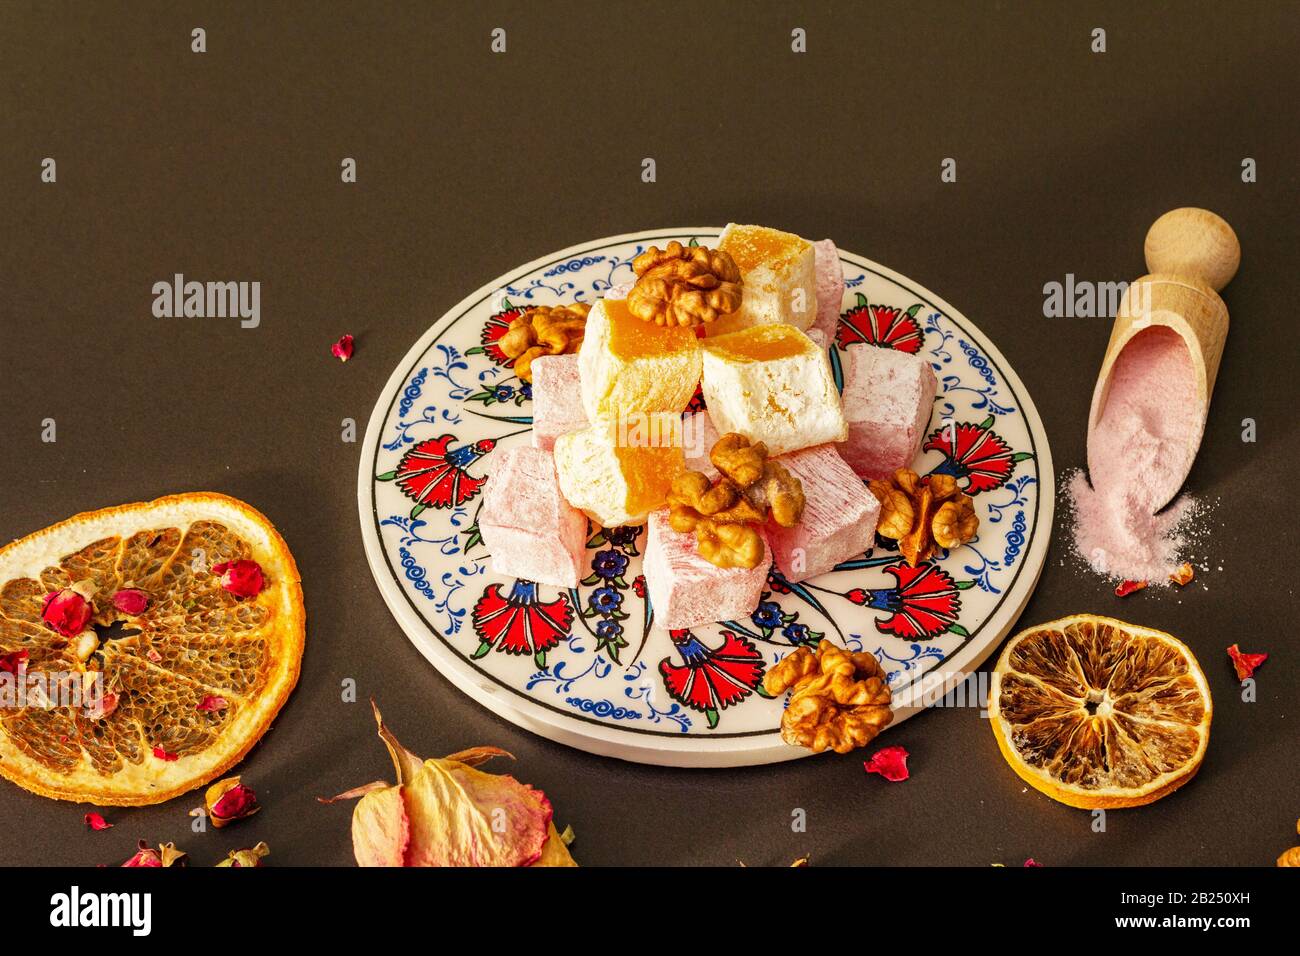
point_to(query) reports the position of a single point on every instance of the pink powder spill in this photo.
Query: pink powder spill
(1138, 455)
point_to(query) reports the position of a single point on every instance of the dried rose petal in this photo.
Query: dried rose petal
(241, 578)
(213, 703)
(164, 755)
(1032, 862)
(131, 601)
(342, 349)
(448, 813)
(1244, 663)
(252, 856)
(165, 855)
(96, 821)
(1183, 575)
(98, 707)
(154, 656)
(1128, 587)
(889, 762)
(229, 800)
(66, 612)
(13, 662)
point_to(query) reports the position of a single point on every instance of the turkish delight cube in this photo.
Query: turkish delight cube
(627, 365)
(526, 524)
(771, 383)
(839, 516)
(686, 590)
(888, 398)
(557, 399)
(830, 288)
(780, 276)
(698, 438)
(619, 470)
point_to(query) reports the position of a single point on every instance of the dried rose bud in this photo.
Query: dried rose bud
(249, 857)
(165, 855)
(131, 601)
(342, 349)
(241, 578)
(229, 800)
(66, 611)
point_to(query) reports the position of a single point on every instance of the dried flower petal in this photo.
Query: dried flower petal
(342, 349)
(1244, 663)
(212, 703)
(1032, 862)
(164, 755)
(241, 578)
(96, 821)
(1128, 587)
(1183, 575)
(250, 857)
(165, 855)
(447, 813)
(13, 662)
(890, 763)
(66, 612)
(229, 800)
(132, 601)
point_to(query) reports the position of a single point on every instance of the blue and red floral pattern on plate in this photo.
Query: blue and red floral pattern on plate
(587, 665)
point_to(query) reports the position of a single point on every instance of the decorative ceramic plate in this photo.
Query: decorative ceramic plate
(587, 666)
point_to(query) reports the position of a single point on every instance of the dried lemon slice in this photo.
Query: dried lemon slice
(196, 678)
(1098, 713)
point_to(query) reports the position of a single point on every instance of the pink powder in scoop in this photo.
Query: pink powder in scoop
(1138, 455)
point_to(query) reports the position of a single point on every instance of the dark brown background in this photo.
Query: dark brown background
(226, 166)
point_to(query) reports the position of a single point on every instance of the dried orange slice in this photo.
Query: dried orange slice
(195, 678)
(1098, 713)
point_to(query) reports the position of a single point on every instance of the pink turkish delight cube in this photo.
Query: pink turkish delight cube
(698, 438)
(685, 590)
(839, 515)
(526, 524)
(830, 287)
(888, 397)
(557, 399)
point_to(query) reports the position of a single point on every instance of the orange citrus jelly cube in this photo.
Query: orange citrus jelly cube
(649, 474)
(631, 338)
(752, 246)
(761, 343)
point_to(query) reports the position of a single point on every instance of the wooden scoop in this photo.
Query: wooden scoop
(1191, 254)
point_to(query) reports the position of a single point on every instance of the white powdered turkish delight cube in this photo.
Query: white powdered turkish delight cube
(839, 516)
(526, 524)
(888, 399)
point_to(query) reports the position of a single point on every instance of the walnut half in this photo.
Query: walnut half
(725, 515)
(924, 514)
(544, 330)
(840, 700)
(684, 285)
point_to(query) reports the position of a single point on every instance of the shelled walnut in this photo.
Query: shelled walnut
(684, 285)
(543, 330)
(725, 515)
(924, 514)
(840, 700)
